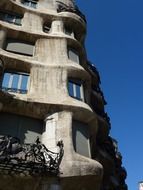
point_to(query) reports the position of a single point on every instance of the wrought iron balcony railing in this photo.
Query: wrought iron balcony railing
(62, 7)
(28, 159)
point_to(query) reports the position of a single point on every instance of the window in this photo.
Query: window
(15, 82)
(19, 47)
(11, 18)
(30, 3)
(69, 31)
(46, 27)
(54, 187)
(73, 55)
(75, 89)
(25, 128)
(80, 135)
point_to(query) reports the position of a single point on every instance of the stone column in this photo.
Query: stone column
(57, 26)
(49, 135)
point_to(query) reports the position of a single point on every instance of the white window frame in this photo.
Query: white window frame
(76, 83)
(10, 82)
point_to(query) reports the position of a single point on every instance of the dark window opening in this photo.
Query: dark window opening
(30, 3)
(46, 27)
(73, 55)
(25, 128)
(10, 17)
(69, 31)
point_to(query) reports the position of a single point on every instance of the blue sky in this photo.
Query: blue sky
(115, 44)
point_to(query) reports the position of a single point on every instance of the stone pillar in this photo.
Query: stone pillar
(49, 135)
(57, 26)
(32, 22)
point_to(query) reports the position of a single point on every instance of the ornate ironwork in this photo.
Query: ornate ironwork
(28, 158)
(110, 146)
(92, 67)
(96, 87)
(62, 7)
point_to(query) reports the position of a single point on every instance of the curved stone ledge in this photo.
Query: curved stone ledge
(52, 13)
(79, 165)
(37, 34)
(39, 108)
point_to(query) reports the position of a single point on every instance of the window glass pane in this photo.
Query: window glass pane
(6, 80)
(73, 56)
(8, 124)
(5, 17)
(75, 89)
(19, 47)
(9, 18)
(15, 81)
(68, 31)
(78, 94)
(25, 128)
(80, 135)
(18, 21)
(26, 3)
(29, 129)
(70, 88)
(30, 3)
(55, 187)
(46, 28)
(1, 16)
(33, 5)
(24, 82)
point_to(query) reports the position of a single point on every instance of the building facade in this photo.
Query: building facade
(140, 184)
(54, 130)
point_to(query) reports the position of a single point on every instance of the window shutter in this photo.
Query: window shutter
(73, 55)
(18, 21)
(19, 47)
(80, 133)
(25, 128)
